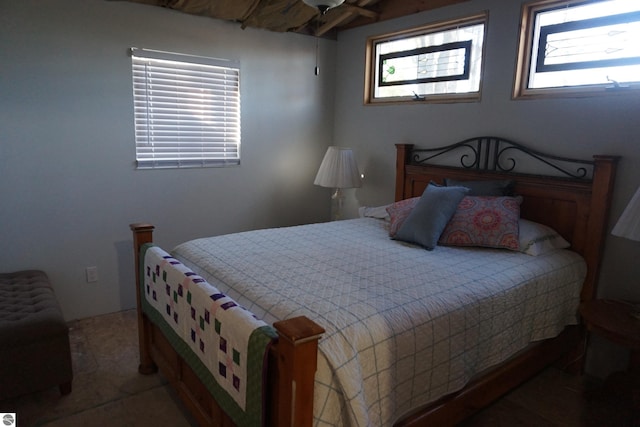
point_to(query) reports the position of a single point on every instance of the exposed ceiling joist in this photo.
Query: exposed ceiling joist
(391, 9)
(345, 13)
(296, 16)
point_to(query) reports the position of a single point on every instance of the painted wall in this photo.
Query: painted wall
(68, 185)
(69, 189)
(569, 127)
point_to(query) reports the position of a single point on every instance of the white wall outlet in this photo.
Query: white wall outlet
(92, 274)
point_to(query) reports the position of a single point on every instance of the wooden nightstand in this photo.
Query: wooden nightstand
(612, 320)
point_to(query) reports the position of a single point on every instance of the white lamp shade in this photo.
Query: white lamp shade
(628, 224)
(338, 169)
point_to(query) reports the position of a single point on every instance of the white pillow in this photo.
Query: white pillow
(537, 239)
(379, 212)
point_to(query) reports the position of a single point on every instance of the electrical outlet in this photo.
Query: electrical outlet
(92, 274)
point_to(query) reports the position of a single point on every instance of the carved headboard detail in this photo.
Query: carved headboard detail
(490, 153)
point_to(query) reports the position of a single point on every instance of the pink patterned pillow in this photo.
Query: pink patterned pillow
(398, 212)
(484, 221)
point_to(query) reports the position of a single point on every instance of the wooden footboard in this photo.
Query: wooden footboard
(291, 367)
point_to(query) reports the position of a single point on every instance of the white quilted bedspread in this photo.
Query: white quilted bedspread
(404, 326)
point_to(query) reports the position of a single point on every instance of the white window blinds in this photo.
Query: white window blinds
(187, 110)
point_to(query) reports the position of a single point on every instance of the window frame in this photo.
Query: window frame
(466, 45)
(371, 63)
(526, 56)
(186, 111)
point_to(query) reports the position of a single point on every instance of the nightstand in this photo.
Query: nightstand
(612, 320)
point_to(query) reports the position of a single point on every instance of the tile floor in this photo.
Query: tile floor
(108, 391)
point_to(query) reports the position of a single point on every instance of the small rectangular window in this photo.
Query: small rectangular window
(446, 62)
(579, 47)
(187, 110)
(439, 62)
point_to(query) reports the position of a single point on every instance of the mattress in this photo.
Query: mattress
(404, 326)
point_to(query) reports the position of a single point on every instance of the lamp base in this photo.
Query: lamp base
(337, 202)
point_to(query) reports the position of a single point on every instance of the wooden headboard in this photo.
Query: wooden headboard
(572, 196)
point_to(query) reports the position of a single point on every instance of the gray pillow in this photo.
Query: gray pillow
(430, 216)
(496, 188)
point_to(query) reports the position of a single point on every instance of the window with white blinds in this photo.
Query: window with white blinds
(187, 110)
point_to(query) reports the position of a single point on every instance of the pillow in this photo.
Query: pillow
(537, 239)
(430, 215)
(483, 188)
(379, 212)
(398, 212)
(490, 222)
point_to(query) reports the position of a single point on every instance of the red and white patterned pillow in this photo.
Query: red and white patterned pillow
(398, 212)
(484, 221)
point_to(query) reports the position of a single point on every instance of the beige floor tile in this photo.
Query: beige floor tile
(505, 413)
(554, 395)
(146, 409)
(105, 360)
(109, 391)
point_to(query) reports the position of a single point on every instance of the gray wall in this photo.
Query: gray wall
(570, 127)
(68, 185)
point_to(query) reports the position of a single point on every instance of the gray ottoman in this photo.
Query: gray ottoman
(34, 338)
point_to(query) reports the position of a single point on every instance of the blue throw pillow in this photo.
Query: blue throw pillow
(430, 215)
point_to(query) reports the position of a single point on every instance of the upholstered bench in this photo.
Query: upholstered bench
(34, 338)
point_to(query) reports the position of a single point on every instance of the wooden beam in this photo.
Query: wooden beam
(349, 12)
(356, 10)
(391, 9)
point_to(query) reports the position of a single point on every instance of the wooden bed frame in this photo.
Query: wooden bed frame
(576, 204)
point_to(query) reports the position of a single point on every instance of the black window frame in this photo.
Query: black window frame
(466, 45)
(530, 62)
(581, 25)
(373, 74)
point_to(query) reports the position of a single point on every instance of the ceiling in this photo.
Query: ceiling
(296, 16)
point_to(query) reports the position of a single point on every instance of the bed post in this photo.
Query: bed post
(403, 153)
(297, 354)
(142, 233)
(604, 173)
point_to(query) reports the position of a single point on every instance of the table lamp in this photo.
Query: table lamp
(338, 170)
(628, 224)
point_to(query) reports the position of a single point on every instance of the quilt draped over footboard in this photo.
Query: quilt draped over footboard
(225, 344)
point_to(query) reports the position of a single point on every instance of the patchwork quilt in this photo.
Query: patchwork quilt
(222, 342)
(404, 326)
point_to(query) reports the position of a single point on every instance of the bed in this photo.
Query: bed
(572, 198)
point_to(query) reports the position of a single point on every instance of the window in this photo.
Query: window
(187, 110)
(439, 62)
(579, 47)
